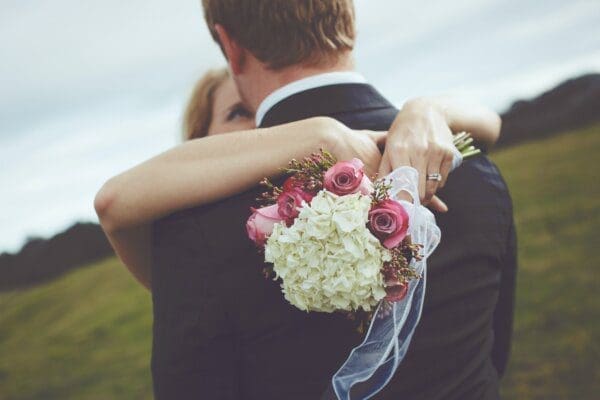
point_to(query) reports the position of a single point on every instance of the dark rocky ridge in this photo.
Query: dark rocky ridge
(572, 104)
(43, 259)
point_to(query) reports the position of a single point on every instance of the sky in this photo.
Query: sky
(91, 88)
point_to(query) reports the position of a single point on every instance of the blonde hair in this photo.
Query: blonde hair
(281, 33)
(198, 113)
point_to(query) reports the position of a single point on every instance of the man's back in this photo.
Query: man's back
(223, 331)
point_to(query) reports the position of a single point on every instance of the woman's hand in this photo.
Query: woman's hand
(421, 138)
(363, 144)
(346, 143)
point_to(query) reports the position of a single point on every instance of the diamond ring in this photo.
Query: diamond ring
(434, 177)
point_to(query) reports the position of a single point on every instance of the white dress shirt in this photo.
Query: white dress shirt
(315, 81)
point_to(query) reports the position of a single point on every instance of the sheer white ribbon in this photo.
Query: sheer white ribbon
(376, 359)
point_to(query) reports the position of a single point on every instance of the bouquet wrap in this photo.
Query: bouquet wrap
(376, 359)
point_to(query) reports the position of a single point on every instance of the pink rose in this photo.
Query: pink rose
(388, 221)
(396, 291)
(291, 183)
(261, 223)
(289, 201)
(347, 177)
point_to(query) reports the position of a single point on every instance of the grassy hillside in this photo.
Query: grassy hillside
(84, 336)
(555, 185)
(87, 335)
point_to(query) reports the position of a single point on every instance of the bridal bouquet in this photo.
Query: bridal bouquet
(337, 240)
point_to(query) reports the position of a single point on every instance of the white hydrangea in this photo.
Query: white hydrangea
(328, 259)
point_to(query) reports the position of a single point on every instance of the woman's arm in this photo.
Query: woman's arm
(482, 123)
(204, 170)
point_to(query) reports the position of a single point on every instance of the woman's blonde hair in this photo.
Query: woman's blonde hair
(198, 113)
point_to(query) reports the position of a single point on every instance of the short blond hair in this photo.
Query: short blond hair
(198, 113)
(281, 33)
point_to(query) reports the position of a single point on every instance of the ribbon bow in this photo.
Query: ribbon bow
(375, 360)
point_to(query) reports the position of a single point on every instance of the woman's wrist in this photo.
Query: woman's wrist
(482, 123)
(427, 106)
(326, 133)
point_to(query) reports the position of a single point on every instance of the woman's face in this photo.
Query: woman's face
(229, 114)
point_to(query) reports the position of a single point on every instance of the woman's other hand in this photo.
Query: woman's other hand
(346, 143)
(421, 138)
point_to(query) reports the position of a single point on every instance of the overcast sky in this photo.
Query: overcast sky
(89, 88)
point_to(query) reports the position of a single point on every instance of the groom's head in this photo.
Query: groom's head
(272, 40)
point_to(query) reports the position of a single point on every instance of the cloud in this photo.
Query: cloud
(53, 183)
(420, 52)
(528, 83)
(568, 16)
(92, 88)
(63, 56)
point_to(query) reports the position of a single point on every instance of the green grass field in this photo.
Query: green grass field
(556, 191)
(87, 334)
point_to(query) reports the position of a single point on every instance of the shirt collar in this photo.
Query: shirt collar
(325, 79)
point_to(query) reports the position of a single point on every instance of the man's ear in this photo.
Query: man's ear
(234, 53)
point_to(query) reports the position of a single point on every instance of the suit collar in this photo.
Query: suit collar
(311, 82)
(325, 100)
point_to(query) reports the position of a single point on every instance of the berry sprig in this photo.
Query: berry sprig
(307, 174)
(381, 190)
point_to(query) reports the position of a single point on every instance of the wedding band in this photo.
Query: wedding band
(434, 177)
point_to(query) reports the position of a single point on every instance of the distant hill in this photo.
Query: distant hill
(572, 104)
(42, 259)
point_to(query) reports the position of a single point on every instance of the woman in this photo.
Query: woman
(224, 154)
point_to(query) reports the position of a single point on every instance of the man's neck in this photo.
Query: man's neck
(267, 81)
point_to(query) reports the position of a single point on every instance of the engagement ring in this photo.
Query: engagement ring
(434, 177)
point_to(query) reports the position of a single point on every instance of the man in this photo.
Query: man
(223, 332)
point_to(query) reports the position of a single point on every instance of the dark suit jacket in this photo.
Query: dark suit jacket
(221, 331)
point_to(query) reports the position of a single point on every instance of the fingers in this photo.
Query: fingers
(404, 195)
(394, 156)
(378, 137)
(439, 161)
(445, 168)
(384, 167)
(438, 205)
(436, 156)
(419, 162)
(431, 186)
(427, 150)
